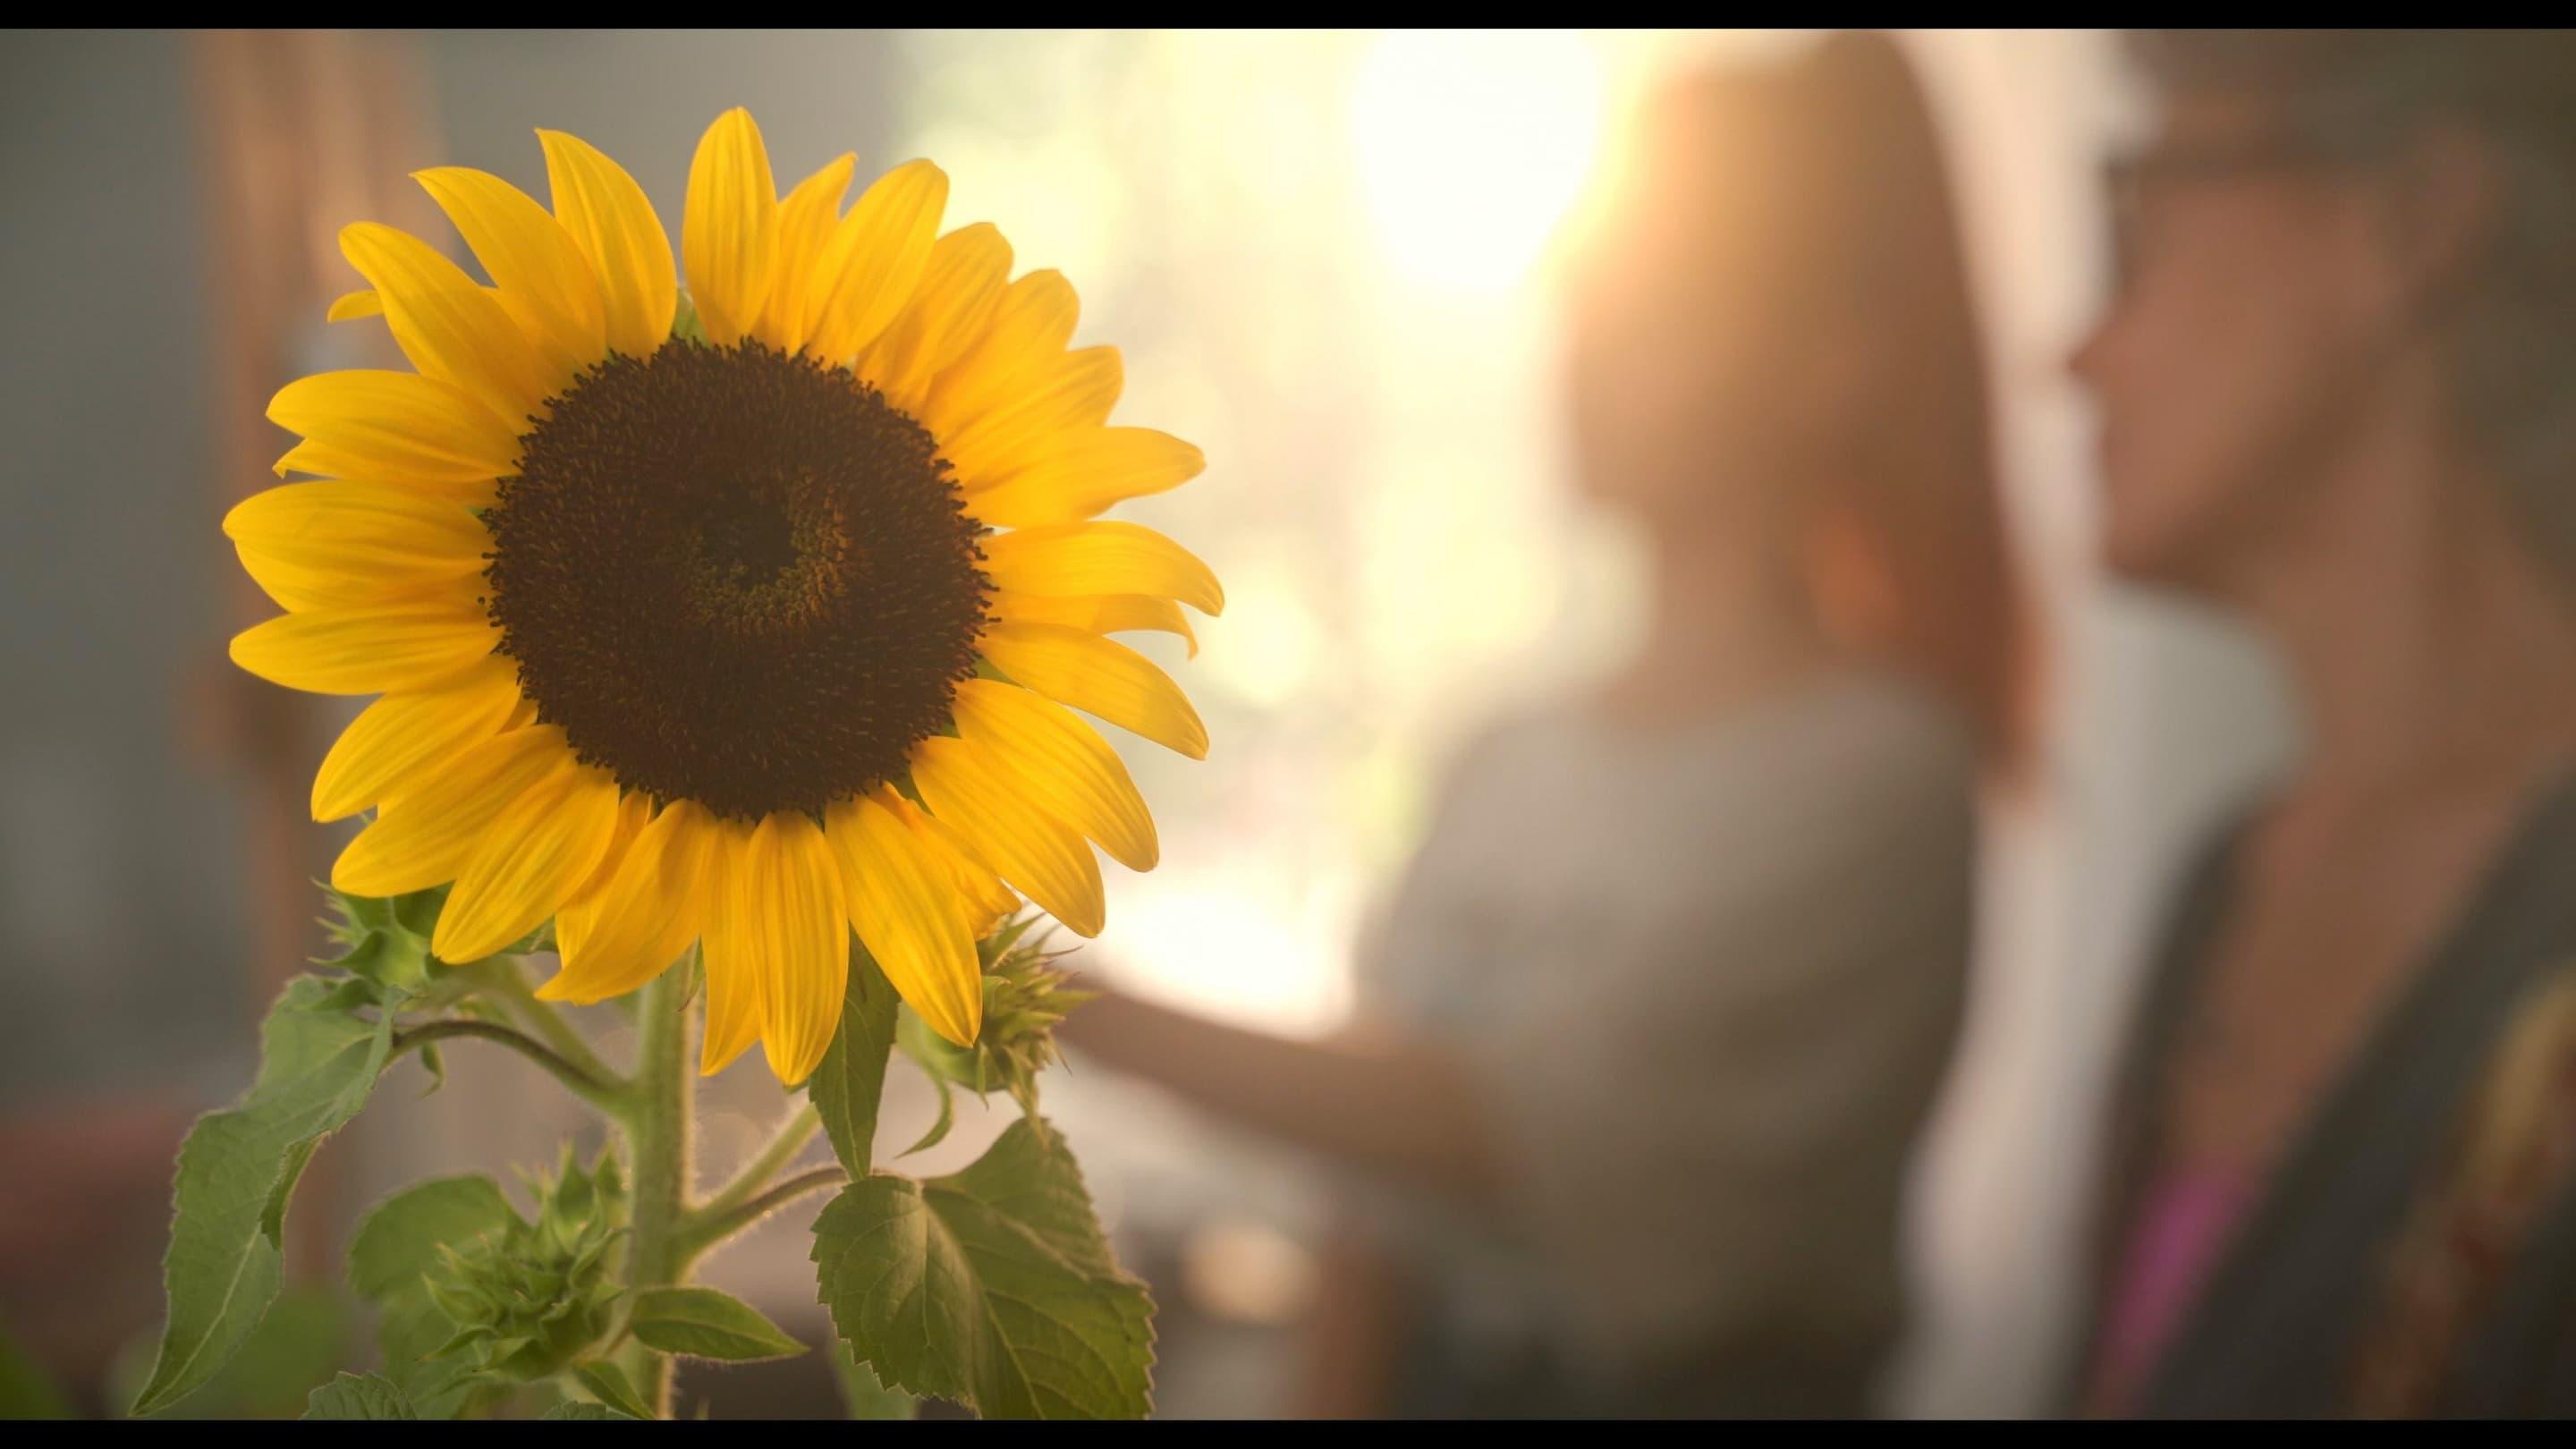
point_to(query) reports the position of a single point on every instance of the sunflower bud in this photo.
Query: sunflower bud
(528, 1299)
(1024, 998)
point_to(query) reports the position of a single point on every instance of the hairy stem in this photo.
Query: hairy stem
(506, 978)
(791, 1138)
(710, 1229)
(657, 1143)
(604, 1092)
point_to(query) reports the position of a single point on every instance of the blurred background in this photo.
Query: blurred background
(1326, 258)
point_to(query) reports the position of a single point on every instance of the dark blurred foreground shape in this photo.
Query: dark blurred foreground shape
(2339, 398)
(195, 184)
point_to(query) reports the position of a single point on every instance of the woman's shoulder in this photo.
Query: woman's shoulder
(1846, 744)
(1853, 743)
(1889, 719)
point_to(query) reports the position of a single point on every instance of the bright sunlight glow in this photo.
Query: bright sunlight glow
(1472, 145)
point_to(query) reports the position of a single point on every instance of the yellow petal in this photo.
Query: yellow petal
(1030, 326)
(805, 222)
(784, 927)
(403, 737)
(1098, 677)
(729, 234)
(1059, 764)
(644, 916)
(904, 904)
(1082, 474)
(394, 427)
(983, 894)
(409, 645)
(368, 302)
(1071, 560)
(734, 1012)
(634, 810)
(450, 328)
(1107, 614)
(298, 586)
(314, 545)
(1031, 849)
(610, 219)
(968, 270)
(427, 836)
(1026, 426)
(875, 259)
(545, 282)
(536, 853)
(319, 461)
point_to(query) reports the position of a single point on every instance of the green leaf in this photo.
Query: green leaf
(26, 1390)
(573, 1410)
(938, 1132)
(305, 1338)
(318, 1062)
(703, 1323)
(848, 1087)
(395, 1245)
(351, 1397)
(866, 1397)
(609, 1383)
(993, 1287)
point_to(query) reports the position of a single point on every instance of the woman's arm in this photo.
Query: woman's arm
(1396, 1107)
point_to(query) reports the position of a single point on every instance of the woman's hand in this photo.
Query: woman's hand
(1397, 1107)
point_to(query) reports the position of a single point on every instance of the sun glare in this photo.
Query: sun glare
(1471, 147)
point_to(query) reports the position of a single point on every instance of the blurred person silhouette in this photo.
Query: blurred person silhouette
(2338, 389)
(1662, 1002)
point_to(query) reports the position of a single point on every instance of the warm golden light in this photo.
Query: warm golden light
(1472, 145)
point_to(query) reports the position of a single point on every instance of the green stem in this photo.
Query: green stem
(609, 1095)
(657, 1142)
(709, 1229)
(791, 1138)
(504, 975)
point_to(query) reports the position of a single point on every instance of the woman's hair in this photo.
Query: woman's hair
(1835, 196)
(2511, 334)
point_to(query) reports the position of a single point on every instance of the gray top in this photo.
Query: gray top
(1711, 977)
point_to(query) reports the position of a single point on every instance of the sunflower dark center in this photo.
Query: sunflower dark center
(735, 577)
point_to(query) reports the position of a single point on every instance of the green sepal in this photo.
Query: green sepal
(527, 1296)
(391, 1256)
(947, 1118)
(1024, 999)
(686, 324)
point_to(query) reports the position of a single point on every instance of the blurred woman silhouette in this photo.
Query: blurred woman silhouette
(2338, 389)
(1666, 995)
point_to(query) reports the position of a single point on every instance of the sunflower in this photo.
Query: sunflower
(693, 624)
